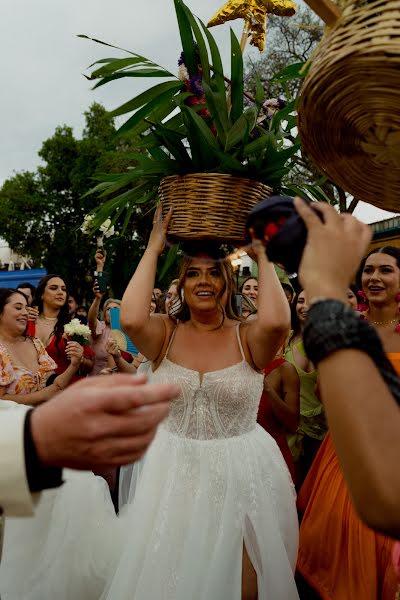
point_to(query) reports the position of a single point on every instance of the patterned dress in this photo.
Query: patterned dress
(17, 378)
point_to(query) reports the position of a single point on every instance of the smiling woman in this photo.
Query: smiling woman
(219, 486)
(25, 366)
(304, 443)
(51, 299)
(249, 288)
(379, 274)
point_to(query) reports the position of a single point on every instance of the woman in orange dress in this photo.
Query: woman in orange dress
(339, 556)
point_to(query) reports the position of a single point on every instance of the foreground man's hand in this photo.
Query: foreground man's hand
(101, 421)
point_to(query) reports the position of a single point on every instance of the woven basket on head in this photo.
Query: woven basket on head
(210, 206)
(349, 112)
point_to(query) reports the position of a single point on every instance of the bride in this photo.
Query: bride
(209, 513)
(215, 501)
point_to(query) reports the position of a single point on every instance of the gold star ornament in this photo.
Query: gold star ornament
(254, 12)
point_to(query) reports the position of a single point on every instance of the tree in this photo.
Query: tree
(41, 212)
(290, 42)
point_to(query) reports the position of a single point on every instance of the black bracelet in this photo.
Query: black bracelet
(332, 325)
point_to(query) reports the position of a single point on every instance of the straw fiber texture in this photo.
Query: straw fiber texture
(349, 112)
(210, 206)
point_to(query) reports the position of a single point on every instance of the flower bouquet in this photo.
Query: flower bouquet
(75, 331)
(208, 153)
(106, 229)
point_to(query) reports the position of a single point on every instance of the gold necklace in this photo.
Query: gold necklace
(385, 322)
(48, 318)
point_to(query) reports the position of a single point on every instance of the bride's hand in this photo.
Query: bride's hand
(158, 234)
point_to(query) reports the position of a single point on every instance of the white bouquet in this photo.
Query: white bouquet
(87, 224)
(106, 229)
(75, 331)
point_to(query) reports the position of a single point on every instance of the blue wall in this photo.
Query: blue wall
(12, 279)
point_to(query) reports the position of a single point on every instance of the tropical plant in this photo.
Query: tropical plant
(294, 41)
(197, 121)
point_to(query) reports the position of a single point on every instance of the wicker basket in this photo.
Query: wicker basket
(349, 113)
(210, 206)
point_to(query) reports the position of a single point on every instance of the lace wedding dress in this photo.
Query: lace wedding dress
(211, 480)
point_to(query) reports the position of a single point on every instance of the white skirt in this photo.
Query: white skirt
(189, 507)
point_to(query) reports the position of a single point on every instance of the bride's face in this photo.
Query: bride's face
(204, 285)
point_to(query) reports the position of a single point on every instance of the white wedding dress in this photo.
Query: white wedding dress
(211, 480)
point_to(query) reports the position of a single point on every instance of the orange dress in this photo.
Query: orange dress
(339, 556)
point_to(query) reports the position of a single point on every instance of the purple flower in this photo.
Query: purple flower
(196, 87)
(181, 60)
(281, 103)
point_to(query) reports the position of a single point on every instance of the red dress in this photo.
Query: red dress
(56, 349)
(270, 423)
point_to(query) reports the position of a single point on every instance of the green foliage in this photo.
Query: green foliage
(21, 200)
(41, 211)
(184, 130)
(280, 71)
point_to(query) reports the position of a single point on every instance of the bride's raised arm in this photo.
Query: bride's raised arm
(266, 334)
(147, 331)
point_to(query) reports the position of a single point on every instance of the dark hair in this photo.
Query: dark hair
(354, 289)
(63, 315)
(160, 303)
(294, 319)
(5, 295)
(225, 268)
(390, 250)
(26, 284)
(245, 281)
(288, 287)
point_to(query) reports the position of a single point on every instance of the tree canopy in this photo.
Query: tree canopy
(293, 42)
(41, 211)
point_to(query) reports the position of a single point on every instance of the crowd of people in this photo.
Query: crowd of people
(211, 510)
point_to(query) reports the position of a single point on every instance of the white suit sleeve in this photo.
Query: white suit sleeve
(15, 497)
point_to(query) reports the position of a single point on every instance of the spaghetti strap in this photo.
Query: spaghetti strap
(240, 342)
(170, 342)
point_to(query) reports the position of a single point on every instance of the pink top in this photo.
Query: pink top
(18, 379)
(99, 347)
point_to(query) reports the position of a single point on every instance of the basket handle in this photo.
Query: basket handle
(326, 10)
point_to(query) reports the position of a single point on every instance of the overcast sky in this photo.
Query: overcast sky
(42, 62)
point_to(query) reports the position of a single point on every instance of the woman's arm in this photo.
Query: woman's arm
(74, 352)
(86, 365)
(268, 331)
(147, 331)
(363, 416)
(93, 314)
(364, 421)
(31, 399)
(116, 359)
(285, 381)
